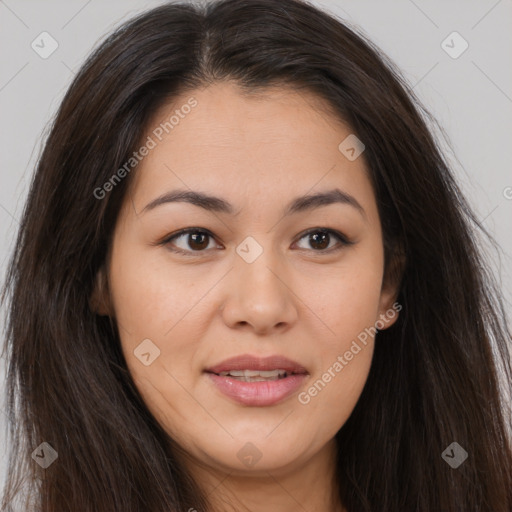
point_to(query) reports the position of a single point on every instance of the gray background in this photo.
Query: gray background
(471, 95)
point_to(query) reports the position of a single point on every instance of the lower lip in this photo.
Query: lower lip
(260, 393)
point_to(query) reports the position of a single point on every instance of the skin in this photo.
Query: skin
(296, 299)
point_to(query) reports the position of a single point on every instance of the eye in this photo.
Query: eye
(196, 240)
(320, 238)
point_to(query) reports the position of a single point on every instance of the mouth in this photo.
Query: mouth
(256, 375)
(254, 381)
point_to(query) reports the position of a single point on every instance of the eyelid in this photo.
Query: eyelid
(343, 240)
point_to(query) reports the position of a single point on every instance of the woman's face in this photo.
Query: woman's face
(249, 280)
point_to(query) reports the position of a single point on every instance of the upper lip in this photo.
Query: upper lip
(249, 362)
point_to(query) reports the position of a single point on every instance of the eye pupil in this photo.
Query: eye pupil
(324, 236)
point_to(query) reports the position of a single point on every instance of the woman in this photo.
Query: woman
(245, 279)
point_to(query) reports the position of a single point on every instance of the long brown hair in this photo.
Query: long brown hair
(435, 375)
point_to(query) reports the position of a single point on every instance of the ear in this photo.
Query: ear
(393, 272)
(99, 301)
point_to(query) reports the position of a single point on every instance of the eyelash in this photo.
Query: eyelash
(342, 239)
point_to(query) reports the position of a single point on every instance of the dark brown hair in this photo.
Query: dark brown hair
(435, 374)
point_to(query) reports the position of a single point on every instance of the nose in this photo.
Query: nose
(259, 296)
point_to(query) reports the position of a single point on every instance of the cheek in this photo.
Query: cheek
(149, 297)
(328, 401)
(348, 300)
(154, 306)
(348, 305)
(334, 389)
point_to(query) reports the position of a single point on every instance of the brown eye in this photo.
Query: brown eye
(319, 239)
(196, 240)
(192, 240)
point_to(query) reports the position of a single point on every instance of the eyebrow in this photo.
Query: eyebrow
(219, 205)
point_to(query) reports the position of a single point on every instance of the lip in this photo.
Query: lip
(258, 394)
(249, 362)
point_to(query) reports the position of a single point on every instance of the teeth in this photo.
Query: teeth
(255, 375)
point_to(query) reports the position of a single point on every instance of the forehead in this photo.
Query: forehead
(227, 113)
(279, 140)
